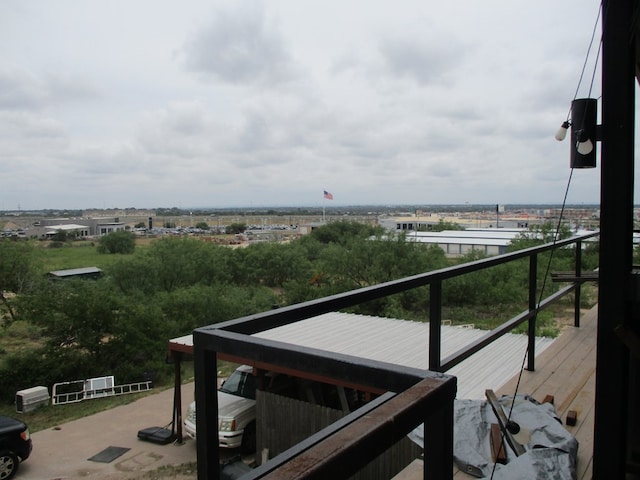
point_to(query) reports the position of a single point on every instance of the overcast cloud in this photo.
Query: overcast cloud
(201, 103)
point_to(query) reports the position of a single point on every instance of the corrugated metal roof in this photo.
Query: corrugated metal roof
(76, 271)
(406, 343)
(403, 342)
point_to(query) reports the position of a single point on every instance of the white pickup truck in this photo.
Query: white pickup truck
(236, 411)
(237, 403)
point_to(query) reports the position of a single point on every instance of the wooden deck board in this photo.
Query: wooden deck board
(566, 370)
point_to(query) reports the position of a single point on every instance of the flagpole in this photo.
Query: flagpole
(326, 196)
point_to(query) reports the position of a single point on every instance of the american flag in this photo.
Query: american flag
(328, 195)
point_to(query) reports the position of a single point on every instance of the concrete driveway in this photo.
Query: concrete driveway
(62, 452)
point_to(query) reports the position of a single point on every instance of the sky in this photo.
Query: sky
(158, 103)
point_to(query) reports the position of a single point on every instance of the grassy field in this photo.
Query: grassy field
(21, 335)
(80, 254)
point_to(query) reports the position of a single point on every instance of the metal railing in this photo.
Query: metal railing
(81, 393)
(325, 452)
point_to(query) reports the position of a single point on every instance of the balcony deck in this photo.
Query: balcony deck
(566, 370)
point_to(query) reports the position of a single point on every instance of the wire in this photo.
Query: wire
(556, 236)
(586, 59)
(557, 230)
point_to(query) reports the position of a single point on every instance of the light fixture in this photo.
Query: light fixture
(584, 145)
(561, 134)
(584, 132)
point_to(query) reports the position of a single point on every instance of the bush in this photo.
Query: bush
(117, 242)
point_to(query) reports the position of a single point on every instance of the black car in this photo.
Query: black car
(15, 446)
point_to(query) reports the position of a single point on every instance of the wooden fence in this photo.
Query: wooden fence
(284, 422)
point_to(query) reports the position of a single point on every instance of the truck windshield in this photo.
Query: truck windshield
(242, 384)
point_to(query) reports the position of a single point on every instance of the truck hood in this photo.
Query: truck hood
(230, 406)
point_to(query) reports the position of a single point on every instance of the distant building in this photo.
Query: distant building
(426, 222)
(306, 228)
(80, 227)
(118, 212)
(455, 243)
(85, 272)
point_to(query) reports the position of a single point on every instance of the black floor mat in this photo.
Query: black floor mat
(109, 454)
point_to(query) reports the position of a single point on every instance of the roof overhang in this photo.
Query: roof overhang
(399, 342)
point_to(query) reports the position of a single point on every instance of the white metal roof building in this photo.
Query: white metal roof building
(490, 241)
(403, 342)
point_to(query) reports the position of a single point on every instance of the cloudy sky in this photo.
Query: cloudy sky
(158, 103)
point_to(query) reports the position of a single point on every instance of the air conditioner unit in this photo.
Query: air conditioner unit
(31, 398)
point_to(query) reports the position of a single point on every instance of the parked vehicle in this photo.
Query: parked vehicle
(15, 446)
(236, 411)
(237, 403)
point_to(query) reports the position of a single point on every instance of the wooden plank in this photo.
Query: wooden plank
(583, 430)
(566, 370)
(571, 277)
(557, 365)
(503, 420)
(498, 453)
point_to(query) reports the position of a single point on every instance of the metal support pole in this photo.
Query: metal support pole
(578, 290)
(177, 398)
(207, 450)
(438, 444)
(435, 324)
(616, 232)
(533, 306)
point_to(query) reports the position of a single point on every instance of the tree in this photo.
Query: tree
(354, 262)
(344, 231)
(18, 273)
(74, 314)
(117, 242)
(60, 236)
(88, 329)
(202, 225)
(273, 264)
(441, 227)
(236, 228)
(539, 234)
(170, 263)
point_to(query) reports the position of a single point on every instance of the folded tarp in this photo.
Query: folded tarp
(551, 451)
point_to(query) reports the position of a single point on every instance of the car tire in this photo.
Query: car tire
(249, 438)
(8, 465)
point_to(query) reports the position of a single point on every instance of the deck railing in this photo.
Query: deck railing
(421, 396)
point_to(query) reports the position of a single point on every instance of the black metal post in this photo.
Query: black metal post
(177, 398)
(435, 324)
(578, 290)
(438, 444)
(207, 450)
(616, 230)
(533, 306)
